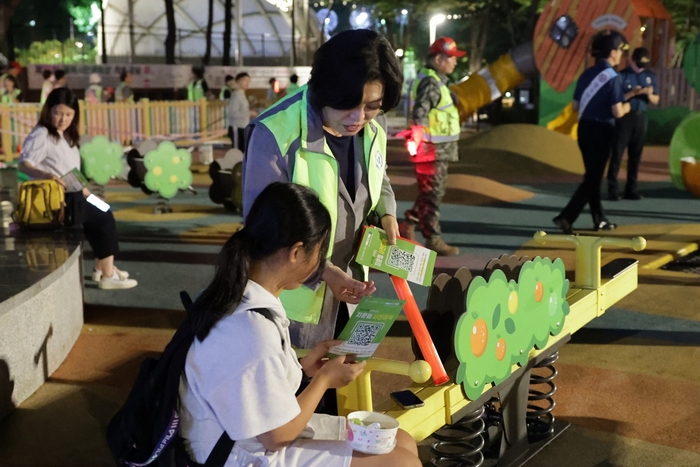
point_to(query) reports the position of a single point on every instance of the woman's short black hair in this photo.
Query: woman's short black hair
(294, 78)
(57, 97)
(9, 77)
(59, 74)
(47, 73)
(198, 72)
(605, 41)
(342, 66)
(123, 75)
(242, 75)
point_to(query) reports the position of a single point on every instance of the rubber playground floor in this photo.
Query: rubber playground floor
(628, 382)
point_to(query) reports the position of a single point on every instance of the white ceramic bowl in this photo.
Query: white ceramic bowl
(380, 440)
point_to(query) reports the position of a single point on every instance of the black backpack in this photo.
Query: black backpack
(145, 430)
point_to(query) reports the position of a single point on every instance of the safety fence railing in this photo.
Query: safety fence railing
(184, 122)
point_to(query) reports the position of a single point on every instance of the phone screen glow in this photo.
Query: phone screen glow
(98, 203)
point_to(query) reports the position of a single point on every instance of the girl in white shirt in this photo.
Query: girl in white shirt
(241, 373)
(49, 152)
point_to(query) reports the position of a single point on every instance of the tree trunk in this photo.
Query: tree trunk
(103, 33)
(228, 19)
(170, 39)
(477, 43)
(7, 9)
(210, 26)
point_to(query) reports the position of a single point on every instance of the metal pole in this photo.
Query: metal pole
(239, 31)
(294, 46)
(132, 46)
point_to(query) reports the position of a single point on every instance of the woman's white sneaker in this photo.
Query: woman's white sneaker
(97, 274)
(117, 281)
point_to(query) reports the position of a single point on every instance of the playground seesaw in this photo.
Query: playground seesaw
(491, 331)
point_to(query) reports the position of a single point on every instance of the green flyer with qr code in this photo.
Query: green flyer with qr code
(406, 260)
(367, 327)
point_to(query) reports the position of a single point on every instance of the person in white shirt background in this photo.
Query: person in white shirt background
(241, 373)
(239, 111)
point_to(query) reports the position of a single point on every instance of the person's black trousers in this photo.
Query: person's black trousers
(630, 131)
(237, 136)
(595, 139)
(99, 227)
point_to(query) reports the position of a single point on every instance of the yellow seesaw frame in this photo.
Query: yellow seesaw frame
(589, 297)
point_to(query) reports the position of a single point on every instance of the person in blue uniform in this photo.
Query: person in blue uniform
(641, 89)
(599, 100)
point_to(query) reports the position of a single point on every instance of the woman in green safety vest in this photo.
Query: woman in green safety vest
(197, 88)
(12, 93)
(227, 88)
(331, 136)
(124, 92)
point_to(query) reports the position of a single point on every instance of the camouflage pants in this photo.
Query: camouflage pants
(432, 179)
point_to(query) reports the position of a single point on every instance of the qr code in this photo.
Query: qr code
(401, 259)
(364, 333)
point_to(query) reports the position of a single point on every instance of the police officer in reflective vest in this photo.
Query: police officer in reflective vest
(432, 143)
(599, 100)
(641, 90)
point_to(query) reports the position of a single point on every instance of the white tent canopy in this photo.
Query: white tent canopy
(260, 28)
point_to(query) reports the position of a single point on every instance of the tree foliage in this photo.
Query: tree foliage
(83, 13)
(56, 52)
(484, 28)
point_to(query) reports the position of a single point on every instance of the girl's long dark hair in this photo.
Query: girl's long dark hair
(282, 215)
(66, 97)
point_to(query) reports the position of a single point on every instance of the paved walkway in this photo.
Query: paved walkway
(626, 381)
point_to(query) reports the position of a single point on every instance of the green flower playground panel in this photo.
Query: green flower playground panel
(506, 319)
(168, 169)
(102, 159)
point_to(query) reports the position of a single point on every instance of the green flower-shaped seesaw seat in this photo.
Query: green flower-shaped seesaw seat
(168, 169)
(102, 159)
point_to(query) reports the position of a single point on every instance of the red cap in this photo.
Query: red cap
(15, 65)
(447, 46)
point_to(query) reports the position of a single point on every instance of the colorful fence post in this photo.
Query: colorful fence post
(146, 117)
(6, 135)
(202, 115)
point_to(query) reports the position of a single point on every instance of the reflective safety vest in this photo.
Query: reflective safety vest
(119, 94)
(195, 90)
(316, 167)
(93, 94)
(46, 89)
(443, 120)
(10, 98)
(222, 96)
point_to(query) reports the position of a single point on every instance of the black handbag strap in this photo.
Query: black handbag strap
(222, 449)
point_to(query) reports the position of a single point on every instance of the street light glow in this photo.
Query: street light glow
(32, 23)
(362, 17)
(79, 45)
(399, 53)
(434, 21)
(404, 12)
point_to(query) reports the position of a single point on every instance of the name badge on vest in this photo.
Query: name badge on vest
(379, 159)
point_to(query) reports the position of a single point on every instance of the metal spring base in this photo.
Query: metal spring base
(540, 421)
(461, 444)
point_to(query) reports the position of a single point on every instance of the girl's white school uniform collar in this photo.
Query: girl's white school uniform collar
(256, 296)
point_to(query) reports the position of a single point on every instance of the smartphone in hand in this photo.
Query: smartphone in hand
(407, 399)
(98, 203)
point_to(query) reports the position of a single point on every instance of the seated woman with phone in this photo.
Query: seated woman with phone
(241, 373)
(51, 151)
